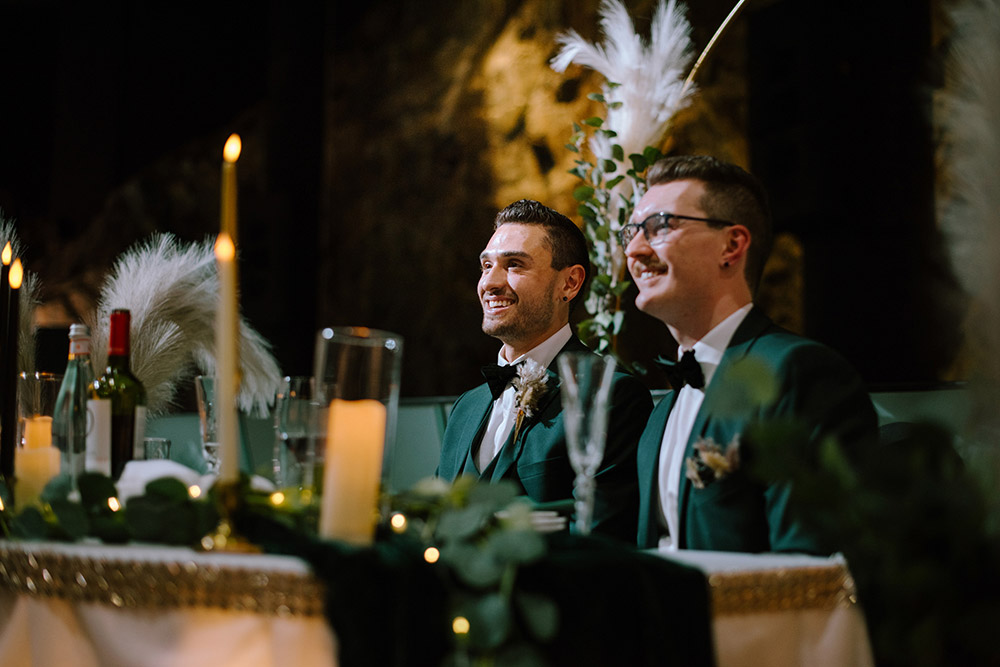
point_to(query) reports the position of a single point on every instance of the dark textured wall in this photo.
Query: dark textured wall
(381, 138)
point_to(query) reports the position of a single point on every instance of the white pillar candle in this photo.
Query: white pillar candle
(352, 471)
(36, 462)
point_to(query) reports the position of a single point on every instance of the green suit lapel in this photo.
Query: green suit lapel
(473, 429)
(708, 416)
(512, 449)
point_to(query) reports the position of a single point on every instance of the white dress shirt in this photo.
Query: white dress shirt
(708, 352)
(503, 415)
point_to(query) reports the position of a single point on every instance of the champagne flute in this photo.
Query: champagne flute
(205, 392)
(585, 383)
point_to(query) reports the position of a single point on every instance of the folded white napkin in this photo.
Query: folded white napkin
(137, 474)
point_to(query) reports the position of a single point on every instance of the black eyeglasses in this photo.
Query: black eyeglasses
(657, 226)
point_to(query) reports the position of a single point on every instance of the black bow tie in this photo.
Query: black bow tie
(685, 371)
(498, 377)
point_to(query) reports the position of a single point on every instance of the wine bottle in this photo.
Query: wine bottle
(69, 421)
(119, 404)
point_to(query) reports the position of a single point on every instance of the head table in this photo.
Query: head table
(92, 604)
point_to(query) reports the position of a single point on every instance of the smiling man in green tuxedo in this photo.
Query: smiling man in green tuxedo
(696, 247)
(532, 270)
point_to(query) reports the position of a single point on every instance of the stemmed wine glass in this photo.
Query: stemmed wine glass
(585, 382)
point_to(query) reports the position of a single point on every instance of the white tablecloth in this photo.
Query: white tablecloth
(138, 606)
(783, 625)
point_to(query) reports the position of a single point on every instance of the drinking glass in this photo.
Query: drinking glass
(585, 383)
(36, 397)
(204, 386)
(296, 417)
(357, 380)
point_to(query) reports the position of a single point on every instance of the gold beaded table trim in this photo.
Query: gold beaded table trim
(781, 589)
(155, 584)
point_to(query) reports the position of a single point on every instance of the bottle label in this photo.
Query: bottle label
(139, 434)
(78, 346)
(99, 435)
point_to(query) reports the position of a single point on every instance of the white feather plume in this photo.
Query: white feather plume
(650, 75)
(970, 219)
(172, 292)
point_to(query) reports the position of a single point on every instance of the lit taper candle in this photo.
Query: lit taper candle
(226, 377)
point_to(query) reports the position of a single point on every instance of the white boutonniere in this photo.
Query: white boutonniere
(529, 387)
(710, 463)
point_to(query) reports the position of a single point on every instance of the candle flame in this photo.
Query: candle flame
(16, 274)
(114, 504)
(8, 253)
(225, 251)
(231, 151)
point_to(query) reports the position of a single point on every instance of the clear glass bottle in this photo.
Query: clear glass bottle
(119, 405)
(69, 421)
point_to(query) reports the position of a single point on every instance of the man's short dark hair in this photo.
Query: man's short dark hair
(562, 237)
(731, 194)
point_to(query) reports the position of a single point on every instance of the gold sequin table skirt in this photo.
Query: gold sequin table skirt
(92, 604)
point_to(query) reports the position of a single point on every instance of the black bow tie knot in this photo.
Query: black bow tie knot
(685, 371)
(498, 377)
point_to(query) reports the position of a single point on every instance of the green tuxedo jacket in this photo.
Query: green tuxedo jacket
(814, 386)
(538, 460)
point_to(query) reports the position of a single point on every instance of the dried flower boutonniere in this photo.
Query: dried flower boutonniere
(529, 386)
(710, 463)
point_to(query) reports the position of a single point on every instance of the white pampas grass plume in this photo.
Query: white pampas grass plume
(970, 220)
(649, 75)
(27, 301)
(172, 292)
(27, 298)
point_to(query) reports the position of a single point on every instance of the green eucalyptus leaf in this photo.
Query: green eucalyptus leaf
(493, 496)
(516, 546)
(58, 488)
(576, 128)
(109, 527)
(602, 233)
(652, 154)
(594, 121)
(614, 181)
(596, 97)
(621, 288)
(616, 105)
(489, 621)
(169, 489)
(612, 85)
(458, 524)
(583, 193)
(29, 524)
(540, 613)
(476, 567)
(639, 163)
(617, 152)
(579, 173)
(72, 518)
(604, 279)
(95, 489)
(152, 518)
(571, 147)
(609, 166)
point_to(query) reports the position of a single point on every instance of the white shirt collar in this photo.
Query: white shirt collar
(709, 350)
(544, 352)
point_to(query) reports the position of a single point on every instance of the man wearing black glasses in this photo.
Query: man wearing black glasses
(696, 248)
